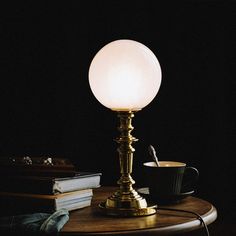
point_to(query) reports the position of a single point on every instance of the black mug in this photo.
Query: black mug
(169, 180)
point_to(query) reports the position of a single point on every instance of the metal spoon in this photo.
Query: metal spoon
(152, 152)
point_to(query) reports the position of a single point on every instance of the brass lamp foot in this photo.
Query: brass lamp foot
(127, 212)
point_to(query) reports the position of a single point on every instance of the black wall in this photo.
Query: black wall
(47, 107)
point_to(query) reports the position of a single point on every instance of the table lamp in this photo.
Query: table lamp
(125, 76)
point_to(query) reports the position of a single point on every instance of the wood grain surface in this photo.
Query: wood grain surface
(90, 220)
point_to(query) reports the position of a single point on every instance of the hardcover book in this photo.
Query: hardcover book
(15, 203)
(50, 185)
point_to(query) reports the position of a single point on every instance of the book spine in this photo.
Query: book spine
(25, 205)
(27, 185)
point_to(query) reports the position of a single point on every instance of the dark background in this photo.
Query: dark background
(47, 107)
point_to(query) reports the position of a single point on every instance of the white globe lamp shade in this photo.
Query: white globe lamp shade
(125, 75)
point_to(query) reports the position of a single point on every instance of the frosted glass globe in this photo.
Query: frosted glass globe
(125, 75)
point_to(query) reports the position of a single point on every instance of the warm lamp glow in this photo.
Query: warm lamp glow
(125, 75)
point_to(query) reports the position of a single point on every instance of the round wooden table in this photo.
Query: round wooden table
(90, 221)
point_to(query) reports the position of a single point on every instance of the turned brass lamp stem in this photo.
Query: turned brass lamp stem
(126, 201)
(126, 151)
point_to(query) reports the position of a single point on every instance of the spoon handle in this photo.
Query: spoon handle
(152, 152)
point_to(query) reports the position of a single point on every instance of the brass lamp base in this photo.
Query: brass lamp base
(126, 201)
(124, 212)
(127, 204)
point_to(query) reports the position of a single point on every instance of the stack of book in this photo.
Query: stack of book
(45, 188)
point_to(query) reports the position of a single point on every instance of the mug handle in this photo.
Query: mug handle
(191, 175)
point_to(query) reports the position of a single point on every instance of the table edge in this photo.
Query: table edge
(208, 218)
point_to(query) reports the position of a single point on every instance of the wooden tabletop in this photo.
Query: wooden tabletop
(90, 221)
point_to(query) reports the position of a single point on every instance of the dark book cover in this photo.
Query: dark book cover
(40, 166)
